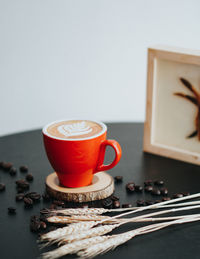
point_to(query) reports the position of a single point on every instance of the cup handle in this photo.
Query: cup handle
(118, 152)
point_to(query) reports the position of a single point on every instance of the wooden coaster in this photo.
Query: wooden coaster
(102, 187)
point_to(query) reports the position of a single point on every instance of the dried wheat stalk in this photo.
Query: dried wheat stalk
(97, 231)
(60, 232)
(74, 247)
(87, 211)
(105, 243)
(116, 240)
(75, 218)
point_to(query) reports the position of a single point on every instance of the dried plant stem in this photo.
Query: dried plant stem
(72, 228)
(117, 240)
(73, 247)
(87, 211)
(97, 231)
(85, 234)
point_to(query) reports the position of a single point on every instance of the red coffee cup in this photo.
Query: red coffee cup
(76, 160)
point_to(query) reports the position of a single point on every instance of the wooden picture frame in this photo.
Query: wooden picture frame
(172, 108)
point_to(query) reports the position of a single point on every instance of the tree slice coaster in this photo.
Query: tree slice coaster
(102, 187)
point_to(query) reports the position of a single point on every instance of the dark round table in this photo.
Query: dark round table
(27, 148)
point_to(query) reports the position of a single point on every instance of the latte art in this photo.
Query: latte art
(75, 129)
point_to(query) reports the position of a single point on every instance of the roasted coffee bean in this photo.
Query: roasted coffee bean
(22, 184)
(19, 197)
(149, 202)
(114, 198)
(53, 207)
(35, 226)
(34, 196)
(116, 204)
(138, 188)
(164, 191)
(186, 193)
(7, 166)
(13, 171)
(44, 211)
(35, 218)
(12, 210)
(46, 197)
(28, 202)
(43, 225)
(148, 188)
(148, 183)
(166, 199)
(177, 195)
(118, 178)
(140, 203)
(127, 205)
(107, 204)
(130, 187)
(23, 169)
(156, 192)
(2, 187)
(59, 203)
(159, 182)
(29, 177)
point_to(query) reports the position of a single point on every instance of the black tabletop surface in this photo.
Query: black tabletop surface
(16, 240)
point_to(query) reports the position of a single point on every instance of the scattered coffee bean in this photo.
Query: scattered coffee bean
(186, 193)
(138, 188)
(28, 202)
(127, 205)
(114, 198)
(107, 204)
(22, 184)
(19, 197)
(140, 203)
(23, 169)
(12, 210)
(130, 187)
(148, 183)
(35, 224)
(164, 191)
(59, 203)
(177, 195)
(33, 195)
(29, 177)
(43, 225)
(166, 199)
(159, 182)
(13, 171)
(157, 201)
(7, 166)
(118, 179)
(2, 187)
(149, 202)
(116, 204)
(156, 192)
(148, 188)
(53, 207)
(46, 197)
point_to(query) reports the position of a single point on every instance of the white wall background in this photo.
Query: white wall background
(83, 58)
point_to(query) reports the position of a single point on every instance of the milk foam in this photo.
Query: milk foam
(74, 129)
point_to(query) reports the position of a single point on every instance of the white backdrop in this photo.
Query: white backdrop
(83, 58)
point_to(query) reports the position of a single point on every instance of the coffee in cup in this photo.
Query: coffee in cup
(76, 150)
